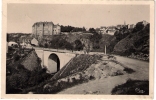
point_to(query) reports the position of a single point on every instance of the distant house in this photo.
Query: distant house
(121, 26)
(102, 30)
(12, 43)
(144, 22)
(34, 42)
(130, 26)
(97, 30)
(106, 30)
(25, 40)
(111, 30)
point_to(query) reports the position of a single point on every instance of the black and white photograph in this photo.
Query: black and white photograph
(78, 49)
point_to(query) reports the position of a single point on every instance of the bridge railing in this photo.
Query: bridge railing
(66, 51)
(59, 50)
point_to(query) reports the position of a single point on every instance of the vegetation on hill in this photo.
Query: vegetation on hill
(135, 43)
(20, 78)
(16, 36)
(107, 40)
(126, 42)
(72, 29)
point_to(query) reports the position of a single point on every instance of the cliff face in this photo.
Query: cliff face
(136, 42)
(31, 62)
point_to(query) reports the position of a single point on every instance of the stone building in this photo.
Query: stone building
(131, 26)
(45, 28)
(34, 42)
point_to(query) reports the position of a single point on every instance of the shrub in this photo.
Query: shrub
(22, 78)
(132, 87)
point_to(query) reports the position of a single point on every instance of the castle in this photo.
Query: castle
(45, 28)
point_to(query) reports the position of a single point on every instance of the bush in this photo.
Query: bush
(132, 87)
(60, 43)
(22, 78)
(78, 45)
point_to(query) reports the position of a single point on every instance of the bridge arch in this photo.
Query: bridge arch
(53, 63)
(48, 55)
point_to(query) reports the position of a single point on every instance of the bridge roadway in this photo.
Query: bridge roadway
(59, 50)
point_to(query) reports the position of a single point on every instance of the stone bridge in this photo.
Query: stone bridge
(53, 60)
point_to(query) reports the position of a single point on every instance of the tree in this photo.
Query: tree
(92, 30)
(95, 39)
(78, 45)
(68, 46)
(46, 45)
(84, 29)
(139, 26)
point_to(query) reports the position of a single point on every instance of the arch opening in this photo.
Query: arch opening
(53, 63)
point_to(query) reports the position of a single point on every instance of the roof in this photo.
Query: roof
(103, 27)
(97, 29)
(37, 23)
(10, 43)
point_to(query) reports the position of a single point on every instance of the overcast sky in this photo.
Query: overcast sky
(21, 17)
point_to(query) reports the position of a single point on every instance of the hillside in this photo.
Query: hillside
(136, 44)
(109, 41)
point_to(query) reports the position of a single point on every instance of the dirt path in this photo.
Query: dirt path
(105, 85)
(141, 67)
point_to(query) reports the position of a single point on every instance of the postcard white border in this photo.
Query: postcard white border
(56, 96)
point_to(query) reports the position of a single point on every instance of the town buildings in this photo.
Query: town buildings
(25, 40)
(45, 28)
(112, 29)
(106, 30)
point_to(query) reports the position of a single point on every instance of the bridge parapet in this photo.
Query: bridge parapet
(59, 50)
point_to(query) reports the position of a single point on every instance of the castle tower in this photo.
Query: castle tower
(45, 28)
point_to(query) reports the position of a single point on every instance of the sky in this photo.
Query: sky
(21, 17)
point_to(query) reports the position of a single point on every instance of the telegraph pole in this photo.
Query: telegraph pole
(105, 49)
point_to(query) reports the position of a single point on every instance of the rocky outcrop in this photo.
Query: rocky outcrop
(31, 61)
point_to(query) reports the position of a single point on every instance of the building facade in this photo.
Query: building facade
(131, 26)
(45, 28)
(34, 42)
